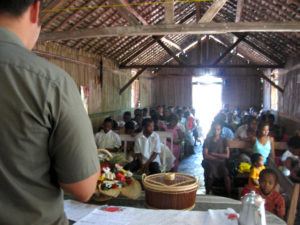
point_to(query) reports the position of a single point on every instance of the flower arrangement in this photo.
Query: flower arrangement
(114, 179)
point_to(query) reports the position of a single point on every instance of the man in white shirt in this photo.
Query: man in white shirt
(106, 138)
(146, 148)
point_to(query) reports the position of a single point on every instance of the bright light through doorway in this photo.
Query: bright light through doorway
(207, 99)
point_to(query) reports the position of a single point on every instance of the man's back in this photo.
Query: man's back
(44, 134)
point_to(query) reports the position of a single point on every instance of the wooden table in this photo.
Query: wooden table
(203, 203)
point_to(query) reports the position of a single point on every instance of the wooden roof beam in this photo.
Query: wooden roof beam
(273, 58)
(172, 29)
(212, 11)
(270, 82)
(124, 12)
(203, 66)
(169, 12)
(230, 49)
(239, 10)
(139, 73)
(55, 4)
(169, 51)
(130, 12)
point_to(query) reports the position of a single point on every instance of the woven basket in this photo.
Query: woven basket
(170, 191)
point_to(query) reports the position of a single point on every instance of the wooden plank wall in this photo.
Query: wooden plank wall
(242, 87)
(175, 91)
(242, 91)
(289, 101)
(103, 101)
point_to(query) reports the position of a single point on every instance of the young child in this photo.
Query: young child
(292, 163)
(263, 144)
(257, 166)
(215, 152)
(274, 201)
(106, 138)
(147, 148)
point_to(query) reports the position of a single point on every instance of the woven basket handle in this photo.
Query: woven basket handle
(105, 152)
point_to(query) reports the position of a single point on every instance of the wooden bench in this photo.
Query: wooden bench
(125, 138)
(288, 188)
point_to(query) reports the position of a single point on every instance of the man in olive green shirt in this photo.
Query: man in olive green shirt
(46, 139)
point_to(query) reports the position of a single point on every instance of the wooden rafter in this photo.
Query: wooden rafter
(212, 11)
(171, 29)
(169, 12)
(55, 4)
(123, 11)
(144, 48)
(261, 51)
(271, 82)
(169, 51)
(202, 66)
(131, 80)
(127, 12)
(239, 10)
(230, 49)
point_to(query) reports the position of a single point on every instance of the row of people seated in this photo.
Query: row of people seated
(216, 155)
(181, 128)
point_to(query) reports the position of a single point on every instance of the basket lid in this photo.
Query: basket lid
(178, 181)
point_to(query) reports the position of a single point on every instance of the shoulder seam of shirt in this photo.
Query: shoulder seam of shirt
(37, 73)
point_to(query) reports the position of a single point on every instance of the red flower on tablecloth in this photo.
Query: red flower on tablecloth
(112, 209)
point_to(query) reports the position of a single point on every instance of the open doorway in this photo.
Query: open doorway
(207, 99)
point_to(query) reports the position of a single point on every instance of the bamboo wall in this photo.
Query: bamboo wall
(84, 69)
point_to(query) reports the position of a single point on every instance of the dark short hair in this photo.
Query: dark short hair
(218, 122)
(127, 113)
(268, 171)
(16, 7)
(255, 157)
(261, 125)
(129, 125)
(145, 110)
(179, 111)
(146, 122)
(172, 117)
(271, 116)
(186, 114)
(294, 161)
(108, 120)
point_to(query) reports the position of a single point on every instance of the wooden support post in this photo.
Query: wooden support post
(271, 82)
(169, 12)
(230, 49)
(131, 80)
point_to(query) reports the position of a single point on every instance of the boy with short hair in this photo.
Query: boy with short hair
(106, 138)
(147, 148)
(274, 201)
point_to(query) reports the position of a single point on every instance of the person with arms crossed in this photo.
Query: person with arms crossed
(46, 138)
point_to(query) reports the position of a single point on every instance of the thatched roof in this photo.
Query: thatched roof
(259, 48)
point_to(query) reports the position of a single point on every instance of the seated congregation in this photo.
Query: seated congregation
(238, 143)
